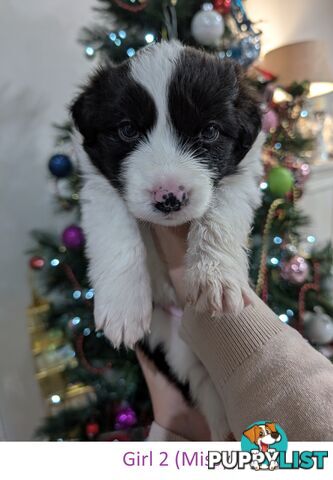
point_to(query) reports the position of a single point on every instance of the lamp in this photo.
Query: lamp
(298, 62)
(301, 61)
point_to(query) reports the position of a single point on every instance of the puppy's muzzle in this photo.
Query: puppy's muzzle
(170, 200)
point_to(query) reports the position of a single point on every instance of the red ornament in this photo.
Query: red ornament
(222, 6)
(92, 429)
(36, 263)
(141, 5)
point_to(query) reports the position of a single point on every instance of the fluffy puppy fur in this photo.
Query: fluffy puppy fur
(168, 137)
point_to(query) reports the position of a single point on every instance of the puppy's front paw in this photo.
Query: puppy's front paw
(124, 312)
(215, 291)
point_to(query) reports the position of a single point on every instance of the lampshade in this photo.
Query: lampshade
(301, 61)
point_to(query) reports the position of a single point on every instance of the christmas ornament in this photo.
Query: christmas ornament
(250, 48)
(207, 26)
(280, 181)
(133, 7)
(125, 418)
(92, 430)
(72, 237)
(60, 165)
(36, 263)
(302, 173)
(318, 327)
(222, 6)
(270, 121)
(295, 270)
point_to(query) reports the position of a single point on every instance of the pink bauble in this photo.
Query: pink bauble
(303, 173)
(295, 270)
(270, 121)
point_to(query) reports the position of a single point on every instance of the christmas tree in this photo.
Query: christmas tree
(95, 392)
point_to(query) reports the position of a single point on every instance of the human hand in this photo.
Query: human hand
(171, 243)
(171, 411)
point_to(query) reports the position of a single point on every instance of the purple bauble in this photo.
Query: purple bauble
(295, 270)
(125, 418)
(72, 237)
(270, 121)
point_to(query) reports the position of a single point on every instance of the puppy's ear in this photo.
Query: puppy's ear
(252, 433)
(85, 109)
(247, 105)
(271, 426)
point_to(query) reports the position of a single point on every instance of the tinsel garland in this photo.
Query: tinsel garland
(261, 281)
(315, 285)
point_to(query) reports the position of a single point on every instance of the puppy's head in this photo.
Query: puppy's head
(165, 127)
(263, 435)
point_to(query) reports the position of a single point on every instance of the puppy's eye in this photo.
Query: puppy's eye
(211, 133)
(261, 434)
(128, 132)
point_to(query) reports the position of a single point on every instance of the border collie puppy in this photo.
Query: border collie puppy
(168, 138)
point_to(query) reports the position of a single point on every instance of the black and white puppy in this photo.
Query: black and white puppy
(168, 137)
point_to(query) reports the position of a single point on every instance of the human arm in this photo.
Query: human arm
(261, 367)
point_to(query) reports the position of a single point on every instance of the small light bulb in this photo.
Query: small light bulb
(90, 293)
(76, 320)
(274, 261)
(149, 38)
(130, 52)
(311, 239)
(90, 52)
(55, 399)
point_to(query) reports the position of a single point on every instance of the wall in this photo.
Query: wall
(287, 21)
(40, 65)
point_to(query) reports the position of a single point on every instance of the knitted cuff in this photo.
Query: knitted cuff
(224, 343)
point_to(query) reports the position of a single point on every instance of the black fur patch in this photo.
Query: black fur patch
(158, 357)
(110, 98)
(205, 89)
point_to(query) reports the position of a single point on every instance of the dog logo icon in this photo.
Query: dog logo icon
(265, 440)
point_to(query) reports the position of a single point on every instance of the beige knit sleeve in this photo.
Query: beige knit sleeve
(264, 370)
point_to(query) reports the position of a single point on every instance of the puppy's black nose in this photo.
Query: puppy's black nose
(275, 435)
(170, 203)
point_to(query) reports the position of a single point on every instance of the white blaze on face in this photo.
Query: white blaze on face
(160, 162)
(266, 439)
